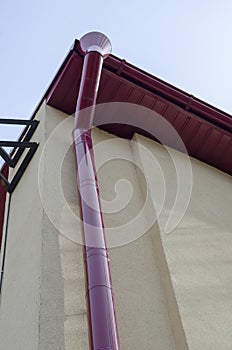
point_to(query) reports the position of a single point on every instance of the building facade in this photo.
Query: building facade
(163, 163)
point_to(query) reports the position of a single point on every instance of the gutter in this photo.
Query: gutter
(151, 83)
(183, 99)
(103, 334)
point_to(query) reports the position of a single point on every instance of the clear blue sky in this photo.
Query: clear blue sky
(187, 43)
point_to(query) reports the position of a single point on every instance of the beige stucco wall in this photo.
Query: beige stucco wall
(172, 291)
(199, 249)
(43, 303)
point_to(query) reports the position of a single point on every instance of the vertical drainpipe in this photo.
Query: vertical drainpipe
(103, 333)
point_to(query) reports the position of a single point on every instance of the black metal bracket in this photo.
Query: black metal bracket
(18, 149)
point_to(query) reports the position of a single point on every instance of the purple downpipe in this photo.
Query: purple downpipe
(103, 332)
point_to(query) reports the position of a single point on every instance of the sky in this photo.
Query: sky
(186, 43)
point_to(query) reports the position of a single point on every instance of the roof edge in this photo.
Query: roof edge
(156, 85)
(151, 83)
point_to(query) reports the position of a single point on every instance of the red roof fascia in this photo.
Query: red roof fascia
(152, 84)
(166, 90)
(205, 130)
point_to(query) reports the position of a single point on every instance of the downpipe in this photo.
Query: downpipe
(103, 334)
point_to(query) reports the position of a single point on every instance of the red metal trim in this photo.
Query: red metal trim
(155, 85)
(122, 78)
(60, 76)
(5, 172)
(168, 91)
(100, 304)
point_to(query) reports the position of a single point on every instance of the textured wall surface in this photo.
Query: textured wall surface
(172, 290)
(199, 250)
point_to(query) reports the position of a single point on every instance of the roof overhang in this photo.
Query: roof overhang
(205, 130)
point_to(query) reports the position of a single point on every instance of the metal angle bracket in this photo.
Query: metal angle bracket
(18, 148)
